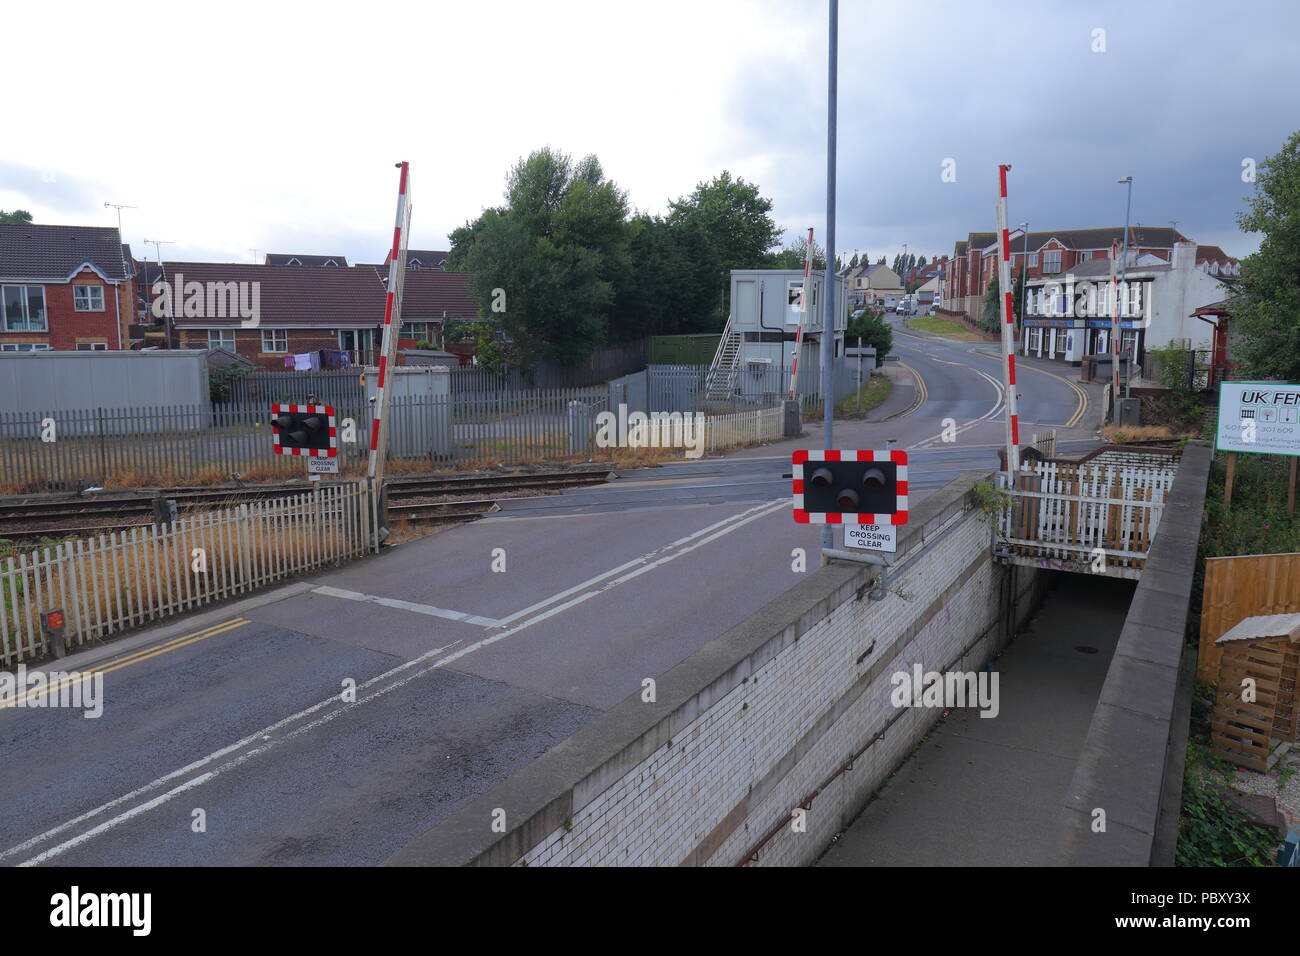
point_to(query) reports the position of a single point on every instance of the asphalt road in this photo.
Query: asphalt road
(462, 674)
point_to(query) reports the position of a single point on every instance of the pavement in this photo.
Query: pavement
(329, 721)
(989, 791)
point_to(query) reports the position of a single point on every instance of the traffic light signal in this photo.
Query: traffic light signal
(304, 430)
(850, 487)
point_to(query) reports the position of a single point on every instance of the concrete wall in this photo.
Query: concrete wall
(789, 708)
(1131, 765)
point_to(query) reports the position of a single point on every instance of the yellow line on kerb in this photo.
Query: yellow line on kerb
(174, 644)
(922, 392)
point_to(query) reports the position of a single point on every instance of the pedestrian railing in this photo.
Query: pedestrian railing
(112, 582)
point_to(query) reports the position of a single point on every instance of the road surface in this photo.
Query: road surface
(235, 738)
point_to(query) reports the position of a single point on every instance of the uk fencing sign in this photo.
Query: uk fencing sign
(1260, 417)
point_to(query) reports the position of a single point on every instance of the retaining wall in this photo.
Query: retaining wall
(791, 708)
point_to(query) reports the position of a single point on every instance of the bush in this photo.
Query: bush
(874, 331)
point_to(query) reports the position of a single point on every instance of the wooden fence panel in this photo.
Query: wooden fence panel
(1242, 586)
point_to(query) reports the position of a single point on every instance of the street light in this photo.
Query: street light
(1123, 273)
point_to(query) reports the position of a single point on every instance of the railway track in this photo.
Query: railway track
(27, 519)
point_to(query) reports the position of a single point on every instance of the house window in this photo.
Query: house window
(1035, 339)
(273, 340)
(1052, 261)
(1135, 299)
(221, 339)
(88, 298)
(1033, 260)
(24, 347)
(415, 330)
(92, 347)
(22, 308)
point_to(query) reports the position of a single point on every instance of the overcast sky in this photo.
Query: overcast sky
(268, 126)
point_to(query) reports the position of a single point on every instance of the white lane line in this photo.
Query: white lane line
(363, 696)
(929, 443)
(428, 609)
(263, 734)
(643, 559)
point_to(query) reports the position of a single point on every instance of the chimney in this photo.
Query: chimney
(1184, 255)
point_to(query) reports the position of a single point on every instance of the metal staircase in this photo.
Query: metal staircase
(720, 382)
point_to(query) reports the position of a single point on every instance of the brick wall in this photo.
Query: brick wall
(789, 709)
(248, 343)
(66, 328)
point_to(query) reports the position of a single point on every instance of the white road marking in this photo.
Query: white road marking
(407, 606)
(929, 443)
(710, 533)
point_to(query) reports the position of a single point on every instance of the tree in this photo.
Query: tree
(656, 296)
(1265, 312)
(873, 330)
(920, 263)
(725, 222)
(552, 252)
(19, 217)
(991, 313)
(853, 263)
(792, 256)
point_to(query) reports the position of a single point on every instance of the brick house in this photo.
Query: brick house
(307, 309)
(301, 259)
(64, 288)
(967, 275)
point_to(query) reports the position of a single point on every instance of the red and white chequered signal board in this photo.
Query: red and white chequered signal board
(324, 410)
(897, 516)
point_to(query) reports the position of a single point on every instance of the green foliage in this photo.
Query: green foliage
(555, 248)
(1211, 831)
(1266, 314)
(991, 313)
(874, 331)
(1180, 406)
(1257, 522)
(724, 224)
(220, 378)
(991, 500)
(19, 217)
(489, 353)
(792, 256)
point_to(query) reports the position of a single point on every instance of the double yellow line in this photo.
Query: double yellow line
(922, 393)
(166, 647)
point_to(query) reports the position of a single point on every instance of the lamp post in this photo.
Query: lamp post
(1123, 273)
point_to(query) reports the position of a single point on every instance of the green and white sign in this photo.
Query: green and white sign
(1261, 417)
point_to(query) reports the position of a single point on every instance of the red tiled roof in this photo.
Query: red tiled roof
(329, 298)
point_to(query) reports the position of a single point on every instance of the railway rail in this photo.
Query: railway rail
(32, 517)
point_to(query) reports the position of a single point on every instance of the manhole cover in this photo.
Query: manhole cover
(1085, 649)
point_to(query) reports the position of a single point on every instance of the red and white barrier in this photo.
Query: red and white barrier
(1008, 325)
(804, 299)
(392, 322)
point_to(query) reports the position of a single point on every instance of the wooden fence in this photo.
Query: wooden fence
(1063, 511)
(125, 579)
(1238, 587)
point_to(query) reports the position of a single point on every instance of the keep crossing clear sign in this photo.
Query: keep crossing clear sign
(871, 537)
(1260, 417)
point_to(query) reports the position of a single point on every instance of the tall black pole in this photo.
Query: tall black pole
(828, 293)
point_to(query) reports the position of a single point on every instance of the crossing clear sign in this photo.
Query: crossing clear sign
(871, 537)
(1259, 417)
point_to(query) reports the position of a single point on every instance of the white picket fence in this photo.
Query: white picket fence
(728, 431)
(120, 580)
(1063, 511)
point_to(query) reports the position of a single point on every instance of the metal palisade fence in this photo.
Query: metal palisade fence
(121, 580)
(164, 445)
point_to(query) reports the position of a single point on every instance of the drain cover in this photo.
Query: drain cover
(1085, 649)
